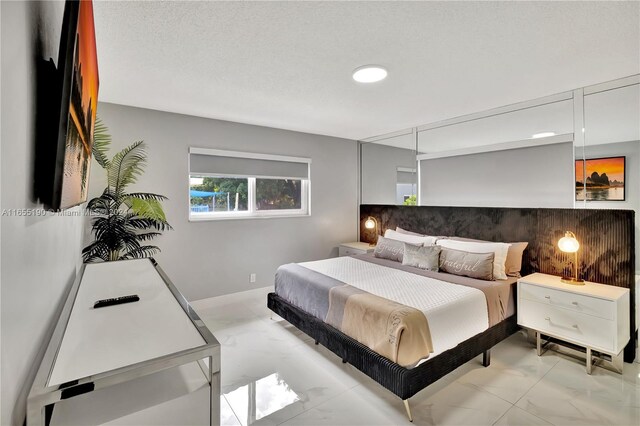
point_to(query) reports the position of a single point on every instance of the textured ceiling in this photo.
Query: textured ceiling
(288, 64)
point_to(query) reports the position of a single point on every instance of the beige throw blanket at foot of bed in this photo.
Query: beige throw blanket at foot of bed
(395, 331)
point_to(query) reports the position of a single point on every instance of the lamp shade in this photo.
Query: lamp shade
(370, 223)
(569, 243)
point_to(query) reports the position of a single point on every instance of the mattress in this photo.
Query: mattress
(454, 312)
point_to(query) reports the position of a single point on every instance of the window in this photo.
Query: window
(233, 185)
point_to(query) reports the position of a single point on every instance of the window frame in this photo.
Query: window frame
(251, 212)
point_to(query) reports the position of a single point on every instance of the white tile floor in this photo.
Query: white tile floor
(274, 374)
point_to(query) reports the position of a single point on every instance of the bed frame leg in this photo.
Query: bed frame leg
(406, 406)
(486, 358)
(317, 343)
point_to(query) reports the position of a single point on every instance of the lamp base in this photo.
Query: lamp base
(571, 280)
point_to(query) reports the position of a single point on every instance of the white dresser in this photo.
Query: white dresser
(593, 316)
(354, 248)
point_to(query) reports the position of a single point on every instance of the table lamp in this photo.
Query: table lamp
(569, 244)
(372, 223)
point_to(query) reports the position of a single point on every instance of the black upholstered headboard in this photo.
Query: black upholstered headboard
(607, 252)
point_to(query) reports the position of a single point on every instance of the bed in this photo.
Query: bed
(607, 257)
(466, 317)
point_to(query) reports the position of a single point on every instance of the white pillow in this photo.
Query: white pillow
(499, 250)
(404, 231)
(411, 239)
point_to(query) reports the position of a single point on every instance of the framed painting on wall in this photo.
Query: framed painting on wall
(78, 66)
(600, 179)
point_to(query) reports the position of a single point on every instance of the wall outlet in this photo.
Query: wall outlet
(252, 278)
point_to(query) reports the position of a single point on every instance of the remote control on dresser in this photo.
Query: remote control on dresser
(116, 301)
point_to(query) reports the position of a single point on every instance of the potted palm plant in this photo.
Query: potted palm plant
(124, 222)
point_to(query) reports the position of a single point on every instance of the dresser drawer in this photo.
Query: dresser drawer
(582, 329)
(575, 302)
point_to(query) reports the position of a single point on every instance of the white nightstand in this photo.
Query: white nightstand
(592, 316)
(351, 249)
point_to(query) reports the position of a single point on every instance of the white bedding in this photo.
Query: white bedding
(454, 312)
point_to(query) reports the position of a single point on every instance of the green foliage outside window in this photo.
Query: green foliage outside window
(278, 194)
(411, 201)
(229, 186)
(271, 194)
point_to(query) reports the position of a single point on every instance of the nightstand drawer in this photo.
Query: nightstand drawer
(579, 328)
(575, 302)
(346, 251)
(354, 248)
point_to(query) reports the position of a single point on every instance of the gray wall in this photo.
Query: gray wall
(526, 177)
(212, 258)
(379, 171)
(40, 255)
(631, 150)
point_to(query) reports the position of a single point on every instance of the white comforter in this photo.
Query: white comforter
(454, 312)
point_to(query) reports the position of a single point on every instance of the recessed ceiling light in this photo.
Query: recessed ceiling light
(543, 135)
(369, 74)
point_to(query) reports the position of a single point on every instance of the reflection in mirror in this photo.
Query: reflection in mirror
(540, 121)
(516, 156)
(388, 170)
(406, 186)
(612, 151)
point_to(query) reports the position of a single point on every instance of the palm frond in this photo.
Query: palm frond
(97, 250)
(147, 196)
(149, 209)
(146, 236)
(105, 204)
(101, 143)
(140, 252)
(126, 166)
(144, 223)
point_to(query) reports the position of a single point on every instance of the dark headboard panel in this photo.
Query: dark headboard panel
(607, 252)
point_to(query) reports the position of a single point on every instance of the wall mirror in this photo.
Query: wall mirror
(506, 157)
(610, 177)
(388, 172)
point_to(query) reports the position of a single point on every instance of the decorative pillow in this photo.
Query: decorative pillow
(421, 257)
(404, 231)
(474, 265)
(411, 239)
(389, 249)
(499, 250)
(513, 264)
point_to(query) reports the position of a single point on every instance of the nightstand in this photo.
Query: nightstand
(352, 249)
(591, 316)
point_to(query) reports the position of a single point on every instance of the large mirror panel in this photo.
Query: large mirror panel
(388, 170)
(548, 119)
(517, 156)
(608, 173)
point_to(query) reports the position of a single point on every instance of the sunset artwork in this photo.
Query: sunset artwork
(82, 110)
(600, 179)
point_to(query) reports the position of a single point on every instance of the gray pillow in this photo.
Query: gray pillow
(474, 265)
(421, 257)
(389, 249)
